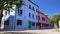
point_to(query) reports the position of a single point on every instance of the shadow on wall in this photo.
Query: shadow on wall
(9, 25)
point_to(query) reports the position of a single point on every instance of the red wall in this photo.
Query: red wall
(41, 15)
(1, 13)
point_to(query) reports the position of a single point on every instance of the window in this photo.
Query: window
(5, 12)
(43, 19)
(33, 8)
(47, 24)
(9, 12)
(30, 15)
(29, 21)
(6, 22)
(19, 22)
(30, 6)
(28, 0)
(33, 24)
(29, 24)
(33, 16)
(38, 17)
(19, 12)
(37, 24)
(36, 10)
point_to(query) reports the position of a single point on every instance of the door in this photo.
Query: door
(29, 24)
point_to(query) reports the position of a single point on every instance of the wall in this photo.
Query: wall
(59, 23)
(14, 16)
(42, 15)
(10, 17)
(1, 13)
(43, 23)
(25, 16)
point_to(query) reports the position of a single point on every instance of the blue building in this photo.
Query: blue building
(26, 17)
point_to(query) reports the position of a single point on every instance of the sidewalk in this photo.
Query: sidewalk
(45, 31)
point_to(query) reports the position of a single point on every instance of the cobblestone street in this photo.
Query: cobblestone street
(45, 31)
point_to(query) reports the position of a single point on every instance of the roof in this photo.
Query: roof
(33, 3)
(41, 12)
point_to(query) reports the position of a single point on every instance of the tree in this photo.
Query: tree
(55, 19)
(7, 5)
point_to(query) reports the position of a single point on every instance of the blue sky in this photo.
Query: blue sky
(49, 7)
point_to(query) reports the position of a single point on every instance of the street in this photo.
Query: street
(45, 31)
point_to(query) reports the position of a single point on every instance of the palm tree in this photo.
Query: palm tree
(7, 5)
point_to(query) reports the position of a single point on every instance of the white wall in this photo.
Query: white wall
(59, 23)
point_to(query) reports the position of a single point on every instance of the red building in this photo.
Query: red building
(1, 14)
(42, 19)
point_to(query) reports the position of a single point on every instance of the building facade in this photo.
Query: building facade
(25, 17)
(1, 16)
(28, 16)
(59, 23)
(48, 22)
(43, 20)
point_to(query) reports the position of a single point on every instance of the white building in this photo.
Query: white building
(59, 23)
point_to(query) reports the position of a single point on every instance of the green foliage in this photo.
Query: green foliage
(55, 19)
(7, 4)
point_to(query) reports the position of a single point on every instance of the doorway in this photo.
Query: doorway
(29, 24)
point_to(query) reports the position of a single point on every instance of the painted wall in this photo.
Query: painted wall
(24, 17)
(48, 22)
(41, 15)
(44, 24)
(1, 13)
(59, 23)
(10, 17)
(11, 23)
(41, 21)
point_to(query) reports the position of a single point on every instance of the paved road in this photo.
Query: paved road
(45, 31)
